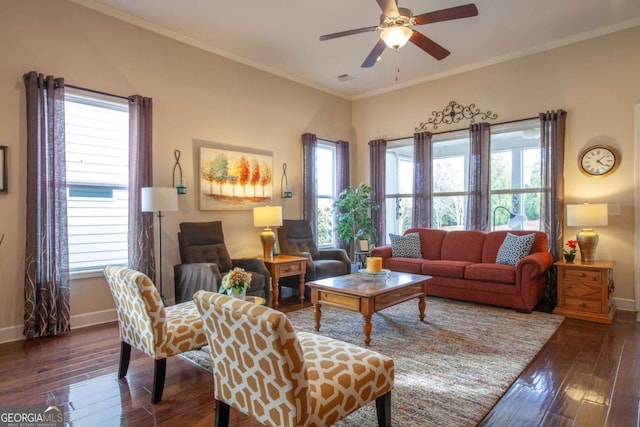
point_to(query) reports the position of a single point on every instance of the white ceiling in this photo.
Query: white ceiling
(282, 36)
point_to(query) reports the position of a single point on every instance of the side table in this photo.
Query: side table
(285, 266)
(584, 291)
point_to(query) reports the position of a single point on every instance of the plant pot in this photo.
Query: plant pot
(569, 257)
(239, 295)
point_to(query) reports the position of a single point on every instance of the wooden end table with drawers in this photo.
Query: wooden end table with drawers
(285, 266)
(584, 290)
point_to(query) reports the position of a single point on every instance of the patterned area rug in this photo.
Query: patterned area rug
(450, 369)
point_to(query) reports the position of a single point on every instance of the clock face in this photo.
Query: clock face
(599, 160)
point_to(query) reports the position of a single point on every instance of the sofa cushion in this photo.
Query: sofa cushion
(494, 240)
(443, 268)
(489, 272)
(463, 245)
(430, 241)
(407, 246)
(406, 265)
(514, 248)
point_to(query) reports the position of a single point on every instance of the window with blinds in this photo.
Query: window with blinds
(97, 149)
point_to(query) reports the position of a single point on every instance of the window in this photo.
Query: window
(97, 150)
(516, 184)
(515, 179)
(326, 191)
(399, 185)
(450, 180)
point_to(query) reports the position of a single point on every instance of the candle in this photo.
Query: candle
(374, 264)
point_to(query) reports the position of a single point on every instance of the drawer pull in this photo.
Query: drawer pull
(581, 274)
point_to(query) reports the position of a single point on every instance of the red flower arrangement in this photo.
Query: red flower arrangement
(573, 247)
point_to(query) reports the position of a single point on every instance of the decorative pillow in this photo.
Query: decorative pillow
(407, 246)
(514, 248)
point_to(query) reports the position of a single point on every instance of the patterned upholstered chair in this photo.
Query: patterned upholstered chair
(205, 259)
(146, 324)
(281, 378)
(296, 238)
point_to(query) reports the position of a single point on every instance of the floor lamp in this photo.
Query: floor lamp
(159, 199)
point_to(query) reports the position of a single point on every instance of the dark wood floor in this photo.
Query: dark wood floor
(588, 374)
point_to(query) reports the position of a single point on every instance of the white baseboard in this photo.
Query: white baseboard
(624, 304)
(14, 333)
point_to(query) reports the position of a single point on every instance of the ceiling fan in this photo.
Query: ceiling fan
(395, 29)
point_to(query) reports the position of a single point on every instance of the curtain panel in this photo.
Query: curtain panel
(46, 287)
(377, 157)
(309, 181)
(552, 130)
(342, 177)
(478, 201)
(422, 179)
(140, 235)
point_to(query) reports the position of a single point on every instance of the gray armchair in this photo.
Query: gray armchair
(205, 260)
(295, 238)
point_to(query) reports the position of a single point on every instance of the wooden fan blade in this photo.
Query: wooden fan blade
(429, 46)
(375, 53)
(464, 11)
(389, 7)
(347, 33)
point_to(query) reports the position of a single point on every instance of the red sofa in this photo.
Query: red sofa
(463, 266)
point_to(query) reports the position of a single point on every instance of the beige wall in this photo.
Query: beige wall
(596, 82)
(196, 95)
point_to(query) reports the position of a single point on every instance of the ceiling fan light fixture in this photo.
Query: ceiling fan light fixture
(396, 37)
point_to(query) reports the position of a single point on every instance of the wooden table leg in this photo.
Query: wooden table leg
(366, 328)
(422, 304)
(317, 313)
(301, 288)
(275, 292)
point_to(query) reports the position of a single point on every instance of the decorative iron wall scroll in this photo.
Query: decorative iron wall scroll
(455, 113)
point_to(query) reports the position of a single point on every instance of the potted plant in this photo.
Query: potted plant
(353, 216)
(571, 253)
(235, 283)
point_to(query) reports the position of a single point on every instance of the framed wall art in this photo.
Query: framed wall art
(3, 169)
(233, 178)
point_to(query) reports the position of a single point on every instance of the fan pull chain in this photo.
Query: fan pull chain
(397, 66)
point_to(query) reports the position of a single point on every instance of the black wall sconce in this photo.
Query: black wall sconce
(284, 184)
(180, 187)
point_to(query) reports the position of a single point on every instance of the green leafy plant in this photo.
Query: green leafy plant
(353, 215)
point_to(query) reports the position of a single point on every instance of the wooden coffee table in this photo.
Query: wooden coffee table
(367, 294)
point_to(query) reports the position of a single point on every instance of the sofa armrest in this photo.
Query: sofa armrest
(337, 254)
(190, 278)
(382, 251)
(534, 264)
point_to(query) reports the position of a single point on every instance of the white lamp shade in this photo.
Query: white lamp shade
(267, 216)
(587, 215)
(157, 199)
(396, 37)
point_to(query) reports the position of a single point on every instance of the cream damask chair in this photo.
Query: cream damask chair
(146, 324)
(282, 378)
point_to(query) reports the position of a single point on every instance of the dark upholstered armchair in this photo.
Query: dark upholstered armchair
(295, 238)
(205, 260)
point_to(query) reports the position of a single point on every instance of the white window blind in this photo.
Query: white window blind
(97, 149)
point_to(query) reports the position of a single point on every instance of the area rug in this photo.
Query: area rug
(450, 369)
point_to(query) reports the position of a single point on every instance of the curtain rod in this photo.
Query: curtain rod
(492, 124)
(96, 91)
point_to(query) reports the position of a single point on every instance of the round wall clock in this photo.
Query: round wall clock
(599, 160)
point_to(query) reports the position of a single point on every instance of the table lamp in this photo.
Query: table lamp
(587, 215)
(159, 199)
(267, 217)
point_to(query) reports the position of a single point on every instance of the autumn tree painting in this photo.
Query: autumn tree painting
(225, 176)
